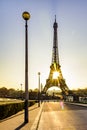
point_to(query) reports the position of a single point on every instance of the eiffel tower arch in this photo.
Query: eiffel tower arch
(55, 76)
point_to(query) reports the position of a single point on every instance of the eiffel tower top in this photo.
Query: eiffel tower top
(55, 56)
(55, 23)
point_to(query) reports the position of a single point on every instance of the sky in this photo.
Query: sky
(71, 16)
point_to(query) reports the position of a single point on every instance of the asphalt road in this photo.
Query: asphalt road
(59, 116)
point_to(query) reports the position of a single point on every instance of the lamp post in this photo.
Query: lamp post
(38, 89)
(21, 91)
(26, 17)
(41, 92)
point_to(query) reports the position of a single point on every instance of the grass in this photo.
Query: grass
(7, 101)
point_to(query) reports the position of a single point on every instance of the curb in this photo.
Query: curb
(37, 120)
(77, 104)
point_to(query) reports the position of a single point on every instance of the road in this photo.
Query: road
(56, 116)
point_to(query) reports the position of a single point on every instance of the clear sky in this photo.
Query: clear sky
(71, 16)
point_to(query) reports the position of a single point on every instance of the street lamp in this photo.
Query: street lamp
(21, 91)
(38, 89)
(26, 17)
(41, 92)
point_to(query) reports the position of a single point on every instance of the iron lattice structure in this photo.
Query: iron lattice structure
(55, 66)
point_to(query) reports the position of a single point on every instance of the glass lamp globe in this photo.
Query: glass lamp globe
(26, 15)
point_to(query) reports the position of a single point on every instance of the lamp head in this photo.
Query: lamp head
(26, 15)
(38, 73)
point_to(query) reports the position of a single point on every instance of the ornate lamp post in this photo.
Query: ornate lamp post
(38, 89)
(26, 17)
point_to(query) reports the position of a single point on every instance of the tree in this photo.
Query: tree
(3, 92)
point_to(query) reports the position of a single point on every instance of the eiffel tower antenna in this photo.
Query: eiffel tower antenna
(55, 18)
(59, 81)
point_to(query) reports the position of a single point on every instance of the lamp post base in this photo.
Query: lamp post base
(26, 111)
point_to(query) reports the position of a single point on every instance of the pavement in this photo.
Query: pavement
(69, 117)
(16, 122)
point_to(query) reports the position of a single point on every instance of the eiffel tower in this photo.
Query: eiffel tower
(55, 76)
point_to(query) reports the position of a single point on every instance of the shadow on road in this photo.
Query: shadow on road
(19, 127)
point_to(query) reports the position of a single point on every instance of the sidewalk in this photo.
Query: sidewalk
(16, 122)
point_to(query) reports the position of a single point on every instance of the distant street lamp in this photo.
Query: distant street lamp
(26, 17)
(38, 89)
(41, 92)
(21, 91)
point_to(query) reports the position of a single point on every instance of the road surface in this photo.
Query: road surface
(59, 116)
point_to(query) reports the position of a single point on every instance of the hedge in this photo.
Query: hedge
(7, 110)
